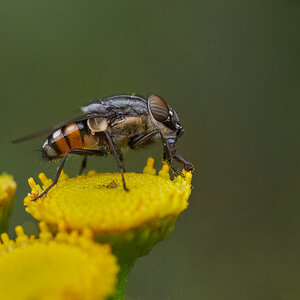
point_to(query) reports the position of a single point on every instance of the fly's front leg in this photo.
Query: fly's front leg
(168, 159)
(168, 155)
(186, 164)
(139, 141)
(117, 157)
(62, 163)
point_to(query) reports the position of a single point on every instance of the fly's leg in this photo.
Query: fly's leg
(186, 164)
(117, 157)
(62, 163)
(83, 165)
(168, 160)
(139, 140)
(168, 155)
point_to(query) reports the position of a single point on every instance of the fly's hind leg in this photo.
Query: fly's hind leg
(118, 158)
(62, 163)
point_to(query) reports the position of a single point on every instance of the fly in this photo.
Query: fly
(112, 126)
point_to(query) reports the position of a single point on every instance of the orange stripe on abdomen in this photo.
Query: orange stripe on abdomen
(60, 141)
(73, 134)
(91, 142)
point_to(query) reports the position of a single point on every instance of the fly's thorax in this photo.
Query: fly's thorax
(123, 130)
(129, 126)
(121, 143)
(152, 124)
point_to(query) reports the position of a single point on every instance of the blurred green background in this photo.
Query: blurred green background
(231, 70)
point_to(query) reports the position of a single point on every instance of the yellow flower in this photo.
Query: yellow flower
(98, 201)
(68, 266)
(7, 191)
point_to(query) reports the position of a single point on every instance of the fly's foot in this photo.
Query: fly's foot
(176, 171)
(189, 167)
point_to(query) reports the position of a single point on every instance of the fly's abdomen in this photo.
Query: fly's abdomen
(63, 139)
(72, 135)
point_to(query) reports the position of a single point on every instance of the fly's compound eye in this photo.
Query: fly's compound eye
(159, 108)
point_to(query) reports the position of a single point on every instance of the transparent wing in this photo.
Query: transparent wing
(49, 130)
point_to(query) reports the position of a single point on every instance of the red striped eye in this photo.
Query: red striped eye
(158, 108)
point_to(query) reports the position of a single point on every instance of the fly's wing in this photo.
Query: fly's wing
(49, 130)
(120, 106)
(115, 107)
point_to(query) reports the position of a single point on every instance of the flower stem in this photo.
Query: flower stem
(5, 213)
(125, 268)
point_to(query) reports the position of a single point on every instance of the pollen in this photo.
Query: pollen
(35, 268)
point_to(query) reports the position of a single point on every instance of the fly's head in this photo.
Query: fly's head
(166, 120)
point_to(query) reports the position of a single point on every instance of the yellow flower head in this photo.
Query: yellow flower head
(98, 202)
(68, 266)
(7, 189)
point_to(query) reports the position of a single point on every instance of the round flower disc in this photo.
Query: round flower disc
(99, 202)
(60, 268)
